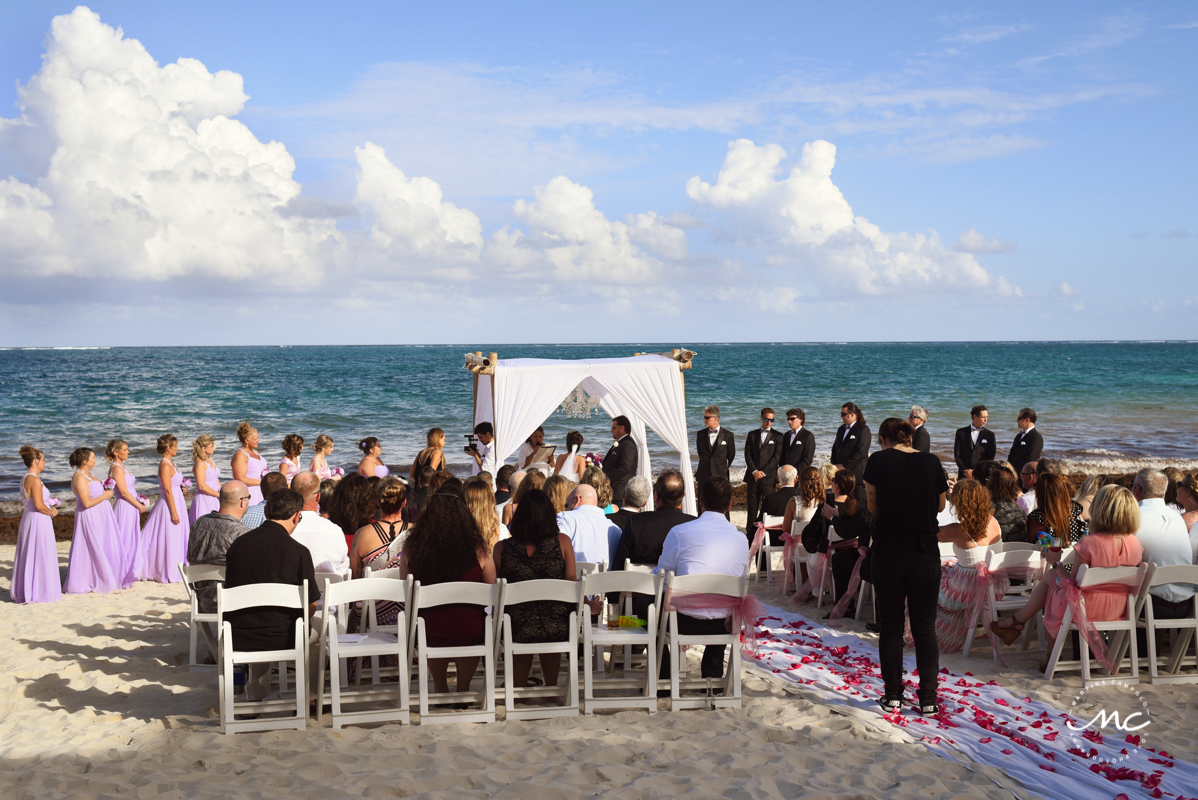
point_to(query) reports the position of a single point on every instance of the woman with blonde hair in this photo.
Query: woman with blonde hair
(481, 502)
(293, 445)
(207, 475)
(1085, 493)
(828, 473)
(433, 455)
(128, 508)
(557, 489)
(248, 466)
(595, 477)
(1112, 542)
(971, 536)
(322, 448)
(96, 558)
(533, 479)
(35, 567)
(1187, 498)
(165, 534)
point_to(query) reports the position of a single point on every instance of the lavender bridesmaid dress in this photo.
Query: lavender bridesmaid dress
(35, 571)
(201, 503)
(253, 470)
(128, 525)
(166, 543)
(95, 562)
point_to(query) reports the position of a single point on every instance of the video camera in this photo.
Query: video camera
(471, 443)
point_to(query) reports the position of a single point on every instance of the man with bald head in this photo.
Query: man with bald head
(593, 535)
(324, 539)
(210, 538)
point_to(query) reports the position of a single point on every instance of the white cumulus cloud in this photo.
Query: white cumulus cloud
(971, 241)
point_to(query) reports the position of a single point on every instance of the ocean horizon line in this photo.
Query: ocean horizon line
(728, 343)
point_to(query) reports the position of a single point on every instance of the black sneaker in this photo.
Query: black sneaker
(891, 703)
(929, 710)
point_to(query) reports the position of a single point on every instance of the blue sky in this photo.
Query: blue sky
(562, 172)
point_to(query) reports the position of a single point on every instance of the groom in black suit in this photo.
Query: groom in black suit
(974, 444)
(716, 446)
(619, 465)
(763, 455)
(1029, 444)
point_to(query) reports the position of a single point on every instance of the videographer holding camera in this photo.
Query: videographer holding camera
(482, 451)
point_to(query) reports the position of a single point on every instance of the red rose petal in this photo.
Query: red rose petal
(985, 740)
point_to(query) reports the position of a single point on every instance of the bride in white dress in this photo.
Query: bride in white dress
(571, 465)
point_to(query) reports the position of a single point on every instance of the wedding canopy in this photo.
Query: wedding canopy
(517, 395)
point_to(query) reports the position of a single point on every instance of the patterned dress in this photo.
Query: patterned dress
(955, 604)
(542, 620)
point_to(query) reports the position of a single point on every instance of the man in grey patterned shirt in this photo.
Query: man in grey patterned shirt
(213, 533)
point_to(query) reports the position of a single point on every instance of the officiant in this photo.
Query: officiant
(620, 463)
(528, 450)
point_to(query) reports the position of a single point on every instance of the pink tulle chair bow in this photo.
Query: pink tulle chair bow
(743, 612)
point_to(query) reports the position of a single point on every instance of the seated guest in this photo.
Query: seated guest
(971, 536)
(596, 477)
(1056, 514)
(255, 515)
(327, 486)
(1174, 476)
(634, 501)
(1003, 486)
(708, 545)
(503, 484)
(481, 502)
(1085, 493)
(513, 485)
(645, 533)
(213, 533)
(533, 479)
(1112, 542)
(324, 539)
(267, 554)
(1027, 486)
(1166, 543)
(447, 546)
(803, 506)
(557, 488)
(378, 543)
(1187, 498)
(841, 529)
(537, 551)
(354, 503)
(590, 531)
(775, 504)
(418, 495)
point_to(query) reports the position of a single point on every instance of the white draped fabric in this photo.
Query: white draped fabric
(646, 389)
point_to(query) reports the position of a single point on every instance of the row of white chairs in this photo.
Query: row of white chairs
(388, 691)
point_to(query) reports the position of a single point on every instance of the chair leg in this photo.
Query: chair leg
(675, 692)
(194, 644)
(1062, 635)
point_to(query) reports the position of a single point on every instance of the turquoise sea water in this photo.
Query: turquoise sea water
(1101, 405)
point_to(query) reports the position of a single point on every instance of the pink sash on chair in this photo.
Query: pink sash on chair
(789, 546)
(744, 611)
(758, 541)
(849, 593)
(1075, 597)
(817, 569)
(983, 587)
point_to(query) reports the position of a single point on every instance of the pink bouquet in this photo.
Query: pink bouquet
(109, 484)
(141, 498)
(593, 460)
(337, 472)
(54, 502)
(186, 484)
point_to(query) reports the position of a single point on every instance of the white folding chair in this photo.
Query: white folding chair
(1028, 559)
(1012, 547)
(260, 595)
(642, 568)
(370, 621)
(774, 524)
(1136, 579)
(827, 586)
(455, 592)
(800, 552)
(866, 590)
(589, 567)
(1182, 630)
(596, 637)
(734, 588)
(529, 592)
(946, 550)
(200, 623)
(337, 646)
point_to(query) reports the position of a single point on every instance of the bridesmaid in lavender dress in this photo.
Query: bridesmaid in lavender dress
(126, 511)
(96, 558)
(372, 462)
(166, 528)
(35, 571)
(293, 445)
(323, 448)
(248, 466)
(207, 496)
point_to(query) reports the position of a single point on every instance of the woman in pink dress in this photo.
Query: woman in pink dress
(96, 559)
(248, 466)
(166, 530)
(293, 445)
(1112, 542)
(35, 571)
(372, 460)
(127, 510)
(323, 448)
(207, 475)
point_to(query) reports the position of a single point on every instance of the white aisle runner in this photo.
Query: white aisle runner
(1024, 738)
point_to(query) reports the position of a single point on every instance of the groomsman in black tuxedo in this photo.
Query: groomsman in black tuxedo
(619, 465)
(716, 446)
(920, 440)
(850, 448)
(763, 454)
(798, 447)
(974, 444)
(1029, 444)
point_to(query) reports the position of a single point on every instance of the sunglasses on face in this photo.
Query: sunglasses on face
(767, 419)
(791, 419)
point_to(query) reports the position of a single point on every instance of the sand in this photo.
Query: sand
(96, 700)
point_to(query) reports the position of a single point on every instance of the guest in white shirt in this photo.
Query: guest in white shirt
(483, 452)
(324, 539)
(588, 527)
(1165, 541)
(708, 545)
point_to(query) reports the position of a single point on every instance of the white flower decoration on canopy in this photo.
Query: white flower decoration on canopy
(579, 404)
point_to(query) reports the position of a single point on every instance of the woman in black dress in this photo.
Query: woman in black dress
(536, 551)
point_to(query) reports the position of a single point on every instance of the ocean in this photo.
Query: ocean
(1102, 406)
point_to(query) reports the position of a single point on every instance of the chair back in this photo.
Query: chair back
(633, 581)
(1011, 547)
(630, 567)
(331, 577)
(771, 522)
(708, 583)
(946, 550)
(544, 589)
(1131, 577)
(452, 592)
(392, 573)
(589, 567)
(260, 595)
(201, 572)
(1013, 558)
(338, 594)
(1177, 573)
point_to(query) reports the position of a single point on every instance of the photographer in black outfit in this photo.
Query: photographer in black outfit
(906, 490)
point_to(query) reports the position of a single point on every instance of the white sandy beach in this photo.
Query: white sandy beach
(97, 701)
